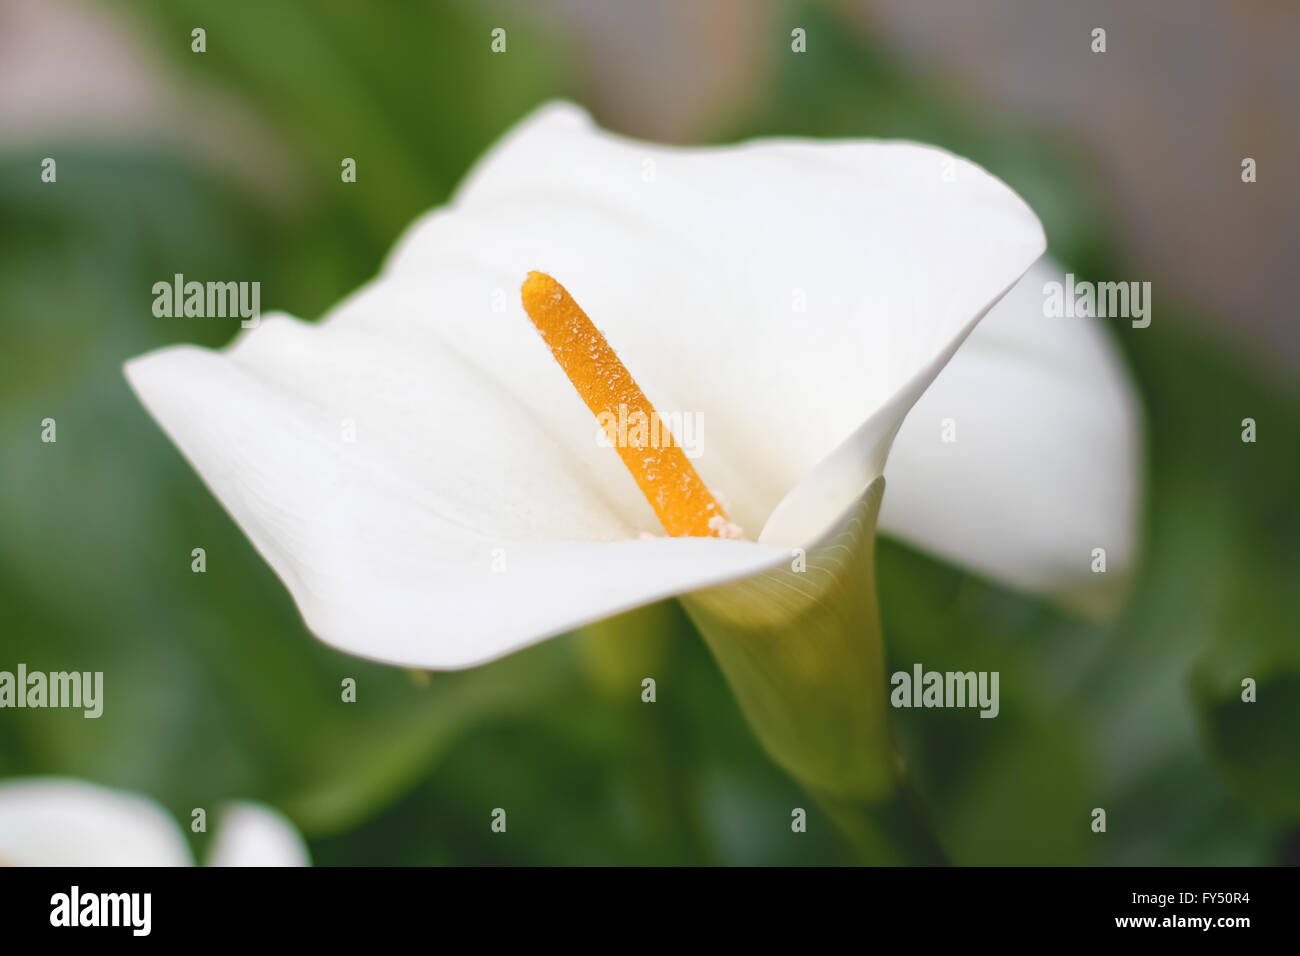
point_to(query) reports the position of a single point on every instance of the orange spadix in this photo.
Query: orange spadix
(664, 474)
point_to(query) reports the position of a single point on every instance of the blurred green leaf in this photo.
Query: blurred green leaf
(411, 91)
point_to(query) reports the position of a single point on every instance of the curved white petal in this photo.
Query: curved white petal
(448, 533)
(250, 834)
(1046, 461)
(56, 821)
(794, 297)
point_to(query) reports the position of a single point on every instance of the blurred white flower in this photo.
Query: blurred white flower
(61, 821)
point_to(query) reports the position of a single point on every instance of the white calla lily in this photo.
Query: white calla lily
(428, 484)
(798, 297)
(62, 821)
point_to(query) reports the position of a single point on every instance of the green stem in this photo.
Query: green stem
(892, 832)
(801, 647)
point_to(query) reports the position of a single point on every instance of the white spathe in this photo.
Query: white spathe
(1046, 464)
(62, 821)
(427, 483)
